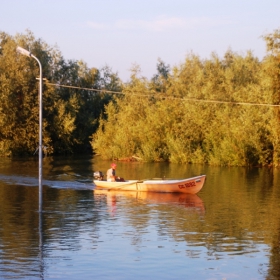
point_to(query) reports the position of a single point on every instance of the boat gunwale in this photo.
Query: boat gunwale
(171, 181)
(153, 181)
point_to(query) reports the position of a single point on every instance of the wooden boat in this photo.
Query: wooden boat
(191, 185)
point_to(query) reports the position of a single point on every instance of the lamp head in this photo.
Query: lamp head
(23, 51)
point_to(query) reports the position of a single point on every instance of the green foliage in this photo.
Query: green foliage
(219, 111)
(271, 83)
(18, 116)
(204, 111)
(70, 116)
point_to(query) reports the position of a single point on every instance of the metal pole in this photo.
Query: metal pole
(27, 53)
(40, 133)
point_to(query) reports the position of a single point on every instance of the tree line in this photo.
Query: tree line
(70, 115)
(218, 111)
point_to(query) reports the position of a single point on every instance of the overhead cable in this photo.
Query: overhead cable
(169, 97)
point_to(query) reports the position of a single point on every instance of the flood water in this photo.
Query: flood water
(229, 230)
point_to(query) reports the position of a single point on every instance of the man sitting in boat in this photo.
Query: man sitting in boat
(111, 174)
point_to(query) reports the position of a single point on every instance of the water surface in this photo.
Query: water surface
(230, 230)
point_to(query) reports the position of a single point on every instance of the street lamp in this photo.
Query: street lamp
(27, 53)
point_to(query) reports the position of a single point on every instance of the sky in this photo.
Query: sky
(124, 33)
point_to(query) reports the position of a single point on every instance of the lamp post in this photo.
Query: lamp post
(27, 53)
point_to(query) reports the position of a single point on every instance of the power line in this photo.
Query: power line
(231, 102)
(82, 88)
(169, 97)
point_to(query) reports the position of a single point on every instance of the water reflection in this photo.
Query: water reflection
(190, 201)
(40, 249)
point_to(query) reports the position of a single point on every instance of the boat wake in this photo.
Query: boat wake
(82, 184)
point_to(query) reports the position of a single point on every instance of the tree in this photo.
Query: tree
(271, 77)
(70, 115)
(19, 96)
(159, 81)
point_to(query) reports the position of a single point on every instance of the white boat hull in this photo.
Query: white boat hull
(191, 185)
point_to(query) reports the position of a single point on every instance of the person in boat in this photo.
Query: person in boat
(111, 174)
